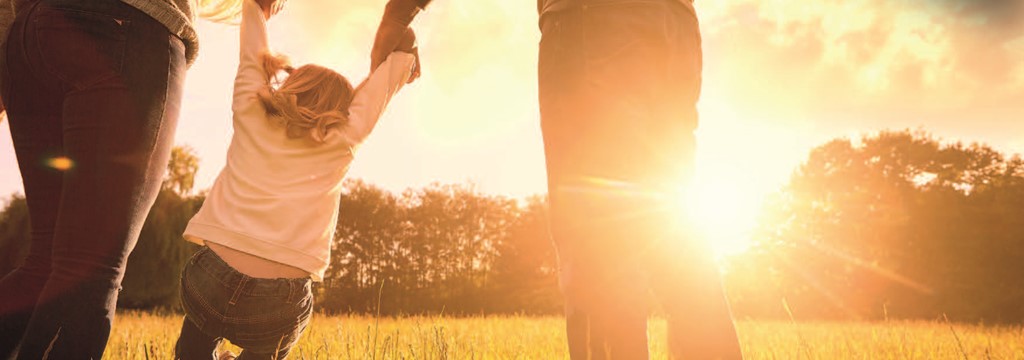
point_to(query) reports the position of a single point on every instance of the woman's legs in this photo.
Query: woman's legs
(92, 108)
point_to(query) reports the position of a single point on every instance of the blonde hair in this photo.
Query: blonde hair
(309, 102)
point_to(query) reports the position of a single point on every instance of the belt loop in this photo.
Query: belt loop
(197, 254)
(238, 290)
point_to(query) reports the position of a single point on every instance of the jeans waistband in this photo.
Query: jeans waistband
(553, 7)
(213, 265)
(107, 7)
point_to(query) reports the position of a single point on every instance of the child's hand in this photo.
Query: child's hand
(271, 7)
(408, 41)
(408, 45)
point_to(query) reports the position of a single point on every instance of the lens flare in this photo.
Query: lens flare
(60, 163)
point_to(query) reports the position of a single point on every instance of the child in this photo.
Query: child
(269, 219)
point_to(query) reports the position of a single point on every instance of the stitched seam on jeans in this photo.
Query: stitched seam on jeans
(262, 317)
(210, 267)
(275, 332)
(238, 290)
(163, 108)
(197, 297)
(24, 41)
(286, 310)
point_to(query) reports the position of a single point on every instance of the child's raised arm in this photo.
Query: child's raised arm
(253, 44)
(373, 95)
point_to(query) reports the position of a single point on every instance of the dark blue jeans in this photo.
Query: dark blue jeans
(92, 90)
(619, 83)
(265, 317)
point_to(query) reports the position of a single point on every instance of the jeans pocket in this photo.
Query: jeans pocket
(268, 324)
(550, 46)
(625, 44)
(200, 295)
(81, 48)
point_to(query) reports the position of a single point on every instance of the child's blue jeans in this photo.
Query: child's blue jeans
(265, 317)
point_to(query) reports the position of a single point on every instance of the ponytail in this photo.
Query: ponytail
(309, 102)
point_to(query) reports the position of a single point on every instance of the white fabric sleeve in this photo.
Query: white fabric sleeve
(374, 93)
(253, 44)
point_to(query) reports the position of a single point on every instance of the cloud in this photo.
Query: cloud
(795, 57)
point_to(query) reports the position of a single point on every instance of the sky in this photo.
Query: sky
(780, 77)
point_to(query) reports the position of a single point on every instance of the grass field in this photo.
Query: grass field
(139, 335)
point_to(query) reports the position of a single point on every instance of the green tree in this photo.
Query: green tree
(525, 270)
(898, 225)
(14, 234)
(442, 248)
(152, 276)
(181, 170)
(368, 231)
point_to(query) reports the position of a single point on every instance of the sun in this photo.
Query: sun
(723, 212)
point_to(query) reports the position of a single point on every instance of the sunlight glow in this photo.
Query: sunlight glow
(724, 212)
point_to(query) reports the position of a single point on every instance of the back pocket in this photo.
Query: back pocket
(79, 47)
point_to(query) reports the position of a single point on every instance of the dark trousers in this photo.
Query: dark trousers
(92, 90)
(265, 317)
(619, 83)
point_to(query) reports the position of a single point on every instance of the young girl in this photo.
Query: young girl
(269, 220)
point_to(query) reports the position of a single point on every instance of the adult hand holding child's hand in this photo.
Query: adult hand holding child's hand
(407, 44)
(393, 36)
(271, 7)
(393, 32)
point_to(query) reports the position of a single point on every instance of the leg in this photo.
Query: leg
(691, 292)
(555, 80)
(577, 321)
(194, 344)
(619, 86)
(279, 345)
(700, 324)
(619, 329)
(252, 355)
(577, 330)
(122, 73)
(585, 201)
(276, 346)
(35, 114)
(593, 109)
(249, 326)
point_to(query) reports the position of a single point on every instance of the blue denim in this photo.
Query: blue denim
(265, 317)
(92, 90)
(619, 82)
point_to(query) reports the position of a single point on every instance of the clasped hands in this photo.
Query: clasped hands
(391, 36)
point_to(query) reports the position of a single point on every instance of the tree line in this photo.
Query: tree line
(894, 225)
(897, 224)
(441, 249)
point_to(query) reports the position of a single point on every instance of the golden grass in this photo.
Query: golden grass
(140, 335)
